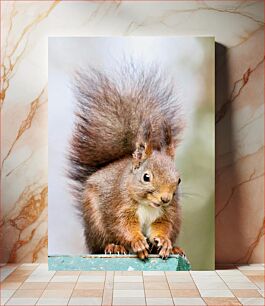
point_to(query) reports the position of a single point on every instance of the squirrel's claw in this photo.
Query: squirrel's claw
(164, 246)
(165, 252)
(115, 249)
(143, 254)
(140, 247)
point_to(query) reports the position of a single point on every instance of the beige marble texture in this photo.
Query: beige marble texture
(238, 27)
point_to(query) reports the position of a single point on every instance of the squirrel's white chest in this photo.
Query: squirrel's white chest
(147, 215)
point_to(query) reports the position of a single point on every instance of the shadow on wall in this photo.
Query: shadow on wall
(224, 142)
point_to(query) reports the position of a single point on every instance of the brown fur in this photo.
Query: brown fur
(126, 128)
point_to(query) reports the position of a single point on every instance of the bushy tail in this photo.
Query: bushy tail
(113, 109)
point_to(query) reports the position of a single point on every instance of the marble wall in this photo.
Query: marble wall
(238, 27)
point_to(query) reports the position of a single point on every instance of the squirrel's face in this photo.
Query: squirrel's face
(156, 181)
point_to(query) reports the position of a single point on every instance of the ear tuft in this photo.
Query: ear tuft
(169, 143)
(143, 147)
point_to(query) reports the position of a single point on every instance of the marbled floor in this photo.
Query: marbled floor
(33, 284)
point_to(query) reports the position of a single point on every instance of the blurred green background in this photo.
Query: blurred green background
(197, 165)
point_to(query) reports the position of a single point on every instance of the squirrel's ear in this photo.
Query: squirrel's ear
(143, 147)
(170, 150)
(169, 143)
(142, 152)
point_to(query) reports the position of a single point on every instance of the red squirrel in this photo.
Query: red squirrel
(127, 128)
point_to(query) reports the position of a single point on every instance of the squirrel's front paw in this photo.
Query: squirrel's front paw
(140, 247)
(165, 246)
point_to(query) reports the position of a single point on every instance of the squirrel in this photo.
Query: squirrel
(127, 128)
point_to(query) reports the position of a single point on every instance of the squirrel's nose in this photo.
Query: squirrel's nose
(165, 198)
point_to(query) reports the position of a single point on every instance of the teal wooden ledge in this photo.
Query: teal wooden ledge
(118, 263)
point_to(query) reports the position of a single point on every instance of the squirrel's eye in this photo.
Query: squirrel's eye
(146, 177)
(179, 181)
